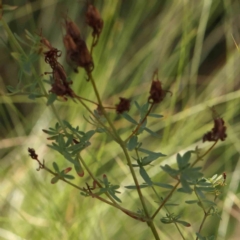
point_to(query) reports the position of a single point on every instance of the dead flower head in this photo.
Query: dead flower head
(157, 94)
(124, 105)
(218, 131)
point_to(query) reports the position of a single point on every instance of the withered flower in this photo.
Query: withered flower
(32, 153)
(60, 84)
(218, 131)
(52, 54)
(124, 105)
(157, 94)
(94, 20)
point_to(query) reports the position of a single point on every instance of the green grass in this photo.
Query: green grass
(192, 46)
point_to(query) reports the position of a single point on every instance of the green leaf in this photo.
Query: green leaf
(33, 96)
(154, 115)
(55, 179)
(210, 203)
(207, 189)
(185, 224)
(134, 187)
(137, 105)
(185, 185)
(152, 133)
(158, 154)
(114, 196)
(145, 176)
(69, 177)
(144, 110)
(133, 142)
(55, 166)
(129, 118)
(172, 172)
(68, 157)
(171, 204)
(199, 193)
(51, 98)
(191, 201)
(61, 142)
(88, 135)
(163, 185)
(182, 161)
(55, 147)
(78, 168)
(151, 157)
(192, 173)
(69, 139)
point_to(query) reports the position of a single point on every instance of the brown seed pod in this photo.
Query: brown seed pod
(72, 29)
(94, 20)
(84, 59)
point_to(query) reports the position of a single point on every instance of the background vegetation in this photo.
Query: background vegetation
(192, 45)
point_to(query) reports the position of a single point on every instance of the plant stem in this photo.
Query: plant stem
(154, 190)
(140, 124)
(203, 221)
(122, 144)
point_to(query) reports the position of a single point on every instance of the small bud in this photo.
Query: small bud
(94, 184)
(81, 174)
(224, 176)
(67, 170)
(124, 105)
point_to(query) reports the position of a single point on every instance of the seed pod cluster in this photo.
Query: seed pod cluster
(78, 54)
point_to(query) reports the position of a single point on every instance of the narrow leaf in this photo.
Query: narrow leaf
(78, 168)
(51, 98)
(133, 142)
(55, 179)
(69, 177)
(185, 185)
(128, 118)
(163, 185)
(154, 115)
(145, 176)
(169, 170)
(134, 187)
(152, 133)
(55, 166)
(191, 201)
(185, 224)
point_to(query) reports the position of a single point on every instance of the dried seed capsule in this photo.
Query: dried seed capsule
(94, 20)
(72, 29)
(84, 59)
